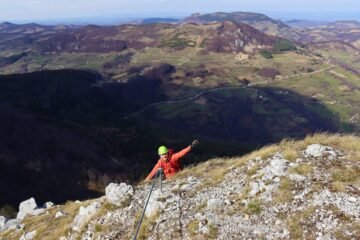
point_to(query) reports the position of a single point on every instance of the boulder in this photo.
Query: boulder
(26, 207)
(117, 194)
(318, 150)
(48, 205)
(85, 214)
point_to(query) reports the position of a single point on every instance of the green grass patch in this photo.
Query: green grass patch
(254, 207)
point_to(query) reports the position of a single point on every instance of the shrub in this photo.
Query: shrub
(266, 54)
(282, 46)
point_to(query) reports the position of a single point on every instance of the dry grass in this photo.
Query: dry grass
(302, 169)
(345, 174)
(264, 152)
(290, 154)
(284, 193)
(338, 186)
(294, 222)
(213, 232)
(294, 227)
(253, 170)
(193, 227)
(147, 225)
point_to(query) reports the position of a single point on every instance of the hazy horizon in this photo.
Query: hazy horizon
(117, 11)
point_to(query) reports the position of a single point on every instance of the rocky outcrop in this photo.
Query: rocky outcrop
(85, 213)
(117, 194)
(48, 205)
(318, 150)
(307, 192)
(2, 222)
(28, 207)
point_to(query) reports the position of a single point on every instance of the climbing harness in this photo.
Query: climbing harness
(159, 174)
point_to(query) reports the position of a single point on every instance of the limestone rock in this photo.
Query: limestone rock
(85, 213)
(276, 168)
(59, 214)
(318, 150)
(13, 224)
(2, 222)
(37, 211)
(48, 205)
(117, 194)
(155, 205)
(255, 188)
(26, 207)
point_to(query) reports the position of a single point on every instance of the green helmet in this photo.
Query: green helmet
(162, 150)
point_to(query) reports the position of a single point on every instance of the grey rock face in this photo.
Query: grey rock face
(13, 224)
(117, 194)
(26, 207)
(156, 203)
(85, 213)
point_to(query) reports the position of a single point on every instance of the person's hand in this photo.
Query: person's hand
(194, 143)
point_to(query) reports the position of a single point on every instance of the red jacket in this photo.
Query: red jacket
(172, 166)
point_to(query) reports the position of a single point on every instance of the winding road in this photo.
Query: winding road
(219, 89)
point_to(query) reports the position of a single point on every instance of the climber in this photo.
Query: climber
(169, 161)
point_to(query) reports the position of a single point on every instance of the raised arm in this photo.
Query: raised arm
(153, 172)
(176, 156)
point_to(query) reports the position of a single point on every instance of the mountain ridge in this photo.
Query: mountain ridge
(294, 189)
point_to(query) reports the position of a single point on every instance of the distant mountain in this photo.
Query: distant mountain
(346, 31)
(344, 24)
(305, 23)
(159, 20)
(259, 21)
(7, 27)
(224, 36)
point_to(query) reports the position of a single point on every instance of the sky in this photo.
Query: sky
(105, 10)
